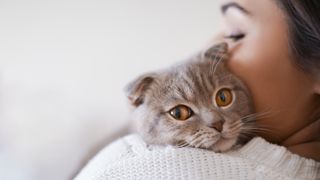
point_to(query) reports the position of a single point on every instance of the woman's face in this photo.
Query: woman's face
(256, 32)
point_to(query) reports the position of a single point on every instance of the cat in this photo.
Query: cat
(197, 103)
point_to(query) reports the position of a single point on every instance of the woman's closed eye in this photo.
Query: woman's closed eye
(235, 36)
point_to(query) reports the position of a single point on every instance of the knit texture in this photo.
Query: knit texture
(130, 158)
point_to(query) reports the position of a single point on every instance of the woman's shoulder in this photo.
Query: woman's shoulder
(131, 158)
(278, 159)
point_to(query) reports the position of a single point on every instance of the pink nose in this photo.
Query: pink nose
(217, 126)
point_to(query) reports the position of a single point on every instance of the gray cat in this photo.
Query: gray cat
(197, 103)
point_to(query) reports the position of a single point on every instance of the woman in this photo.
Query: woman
(275, 49)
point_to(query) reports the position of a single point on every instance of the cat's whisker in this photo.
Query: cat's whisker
(252, 119)
(260, 115)
(201, 142)
(231, 133)
(180, 143)
(256, 126)
(246, 136)
(257, 129)
(194, 137)
(235, 124)
(234, 128)
(267, 111)
(204, 140)
(256, 115)
(185, 144)
(194, 140)
(251, 127)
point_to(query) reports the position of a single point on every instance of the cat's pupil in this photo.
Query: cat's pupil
(177, 113)
(222, 97)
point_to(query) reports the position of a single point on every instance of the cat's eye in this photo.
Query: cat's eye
(181, 112)
(223, 97)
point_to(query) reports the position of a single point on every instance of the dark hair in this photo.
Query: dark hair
(303, 18)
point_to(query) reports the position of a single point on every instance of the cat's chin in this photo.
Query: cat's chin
(223, 144)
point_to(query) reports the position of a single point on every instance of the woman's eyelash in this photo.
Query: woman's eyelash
(235, 37)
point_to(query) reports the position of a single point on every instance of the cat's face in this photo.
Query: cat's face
(198, 103)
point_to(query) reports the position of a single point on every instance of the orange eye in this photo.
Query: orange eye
(224, 97)
(181, 112)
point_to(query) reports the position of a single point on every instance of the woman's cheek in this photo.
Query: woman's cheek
(260, 67)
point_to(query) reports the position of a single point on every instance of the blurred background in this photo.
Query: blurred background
(63, 67)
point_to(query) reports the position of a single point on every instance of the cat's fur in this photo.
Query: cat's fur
(192, 83)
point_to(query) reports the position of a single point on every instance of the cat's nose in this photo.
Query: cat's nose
(217, 126)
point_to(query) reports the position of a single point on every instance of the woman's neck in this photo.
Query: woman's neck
(305, 142)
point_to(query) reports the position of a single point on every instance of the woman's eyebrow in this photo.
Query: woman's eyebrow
(225, 7)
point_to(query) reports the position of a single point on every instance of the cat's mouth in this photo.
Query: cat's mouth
(217, 142)
(230, 138)
(223, 144)
(214, 140)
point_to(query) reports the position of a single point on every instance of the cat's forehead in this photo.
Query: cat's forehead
(199, 69)
(196, 79)
(190, 82)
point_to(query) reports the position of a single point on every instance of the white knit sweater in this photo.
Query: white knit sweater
(130, 158)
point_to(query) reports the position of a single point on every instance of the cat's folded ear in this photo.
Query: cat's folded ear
(217, 51)
(136, 89)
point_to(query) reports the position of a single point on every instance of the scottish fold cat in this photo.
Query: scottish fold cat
(197, 103)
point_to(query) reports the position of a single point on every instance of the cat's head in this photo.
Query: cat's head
(198, 103)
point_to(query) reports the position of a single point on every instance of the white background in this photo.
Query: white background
(63, 67)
